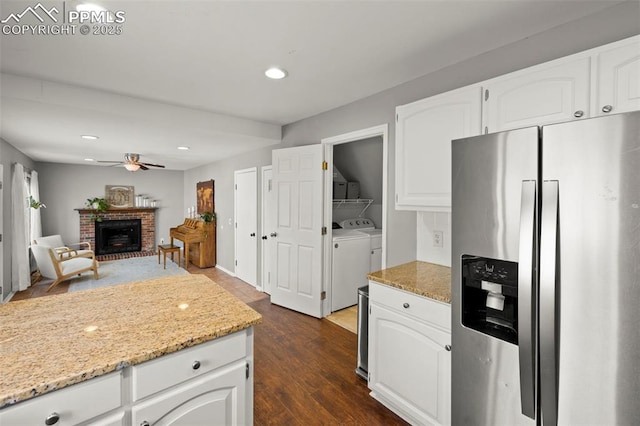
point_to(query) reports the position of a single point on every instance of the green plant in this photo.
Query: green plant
(100, 205)
(208, 217)
(35, 204)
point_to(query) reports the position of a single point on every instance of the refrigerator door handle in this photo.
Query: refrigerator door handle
(548, 283)
(526, 299)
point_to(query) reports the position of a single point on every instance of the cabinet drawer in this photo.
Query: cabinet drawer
(73, 405)
(422, 308)
(161, 373)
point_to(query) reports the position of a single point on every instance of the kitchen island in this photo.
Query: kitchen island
(130, 352)
(410, 341)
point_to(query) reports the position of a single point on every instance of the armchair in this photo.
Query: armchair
(63, 250)
(51, 265)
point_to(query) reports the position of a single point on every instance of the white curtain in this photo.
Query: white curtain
(35, 224)
(20, 277)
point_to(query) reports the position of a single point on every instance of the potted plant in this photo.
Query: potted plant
(35, 204)
(100, 205)
(208, 217)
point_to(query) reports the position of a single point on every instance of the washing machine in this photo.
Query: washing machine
(350, 261)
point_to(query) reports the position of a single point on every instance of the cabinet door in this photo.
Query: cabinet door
(538, 95)
(618, 78)
(376, 260)
(213, 399)
(424, 131)
(409, 367)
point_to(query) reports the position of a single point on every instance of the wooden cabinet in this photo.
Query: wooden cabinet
(409, 354)
(545, 94)
(618, 77)
(210, 383)
(424, 130)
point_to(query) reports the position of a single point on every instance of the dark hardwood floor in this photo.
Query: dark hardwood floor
(304, 367)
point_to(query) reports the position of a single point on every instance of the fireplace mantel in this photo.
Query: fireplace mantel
(120, 209)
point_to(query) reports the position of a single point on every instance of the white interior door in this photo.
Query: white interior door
(298, 186)
(268, 227)
(246, 218)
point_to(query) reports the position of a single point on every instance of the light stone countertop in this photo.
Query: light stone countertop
(422, 278)
(52, 342)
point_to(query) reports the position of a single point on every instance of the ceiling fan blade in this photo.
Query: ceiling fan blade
(116, 162)
(142, 166)
(152, 165)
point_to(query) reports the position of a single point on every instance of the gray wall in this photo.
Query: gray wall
(8, 156)
(65, 187)
(612, 24)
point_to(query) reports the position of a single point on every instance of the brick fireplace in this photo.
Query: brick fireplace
(147, 215)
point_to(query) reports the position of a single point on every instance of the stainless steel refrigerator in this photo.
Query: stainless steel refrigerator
(546, 275)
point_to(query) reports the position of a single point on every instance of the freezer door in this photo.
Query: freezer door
(493, 177)
(590, 272)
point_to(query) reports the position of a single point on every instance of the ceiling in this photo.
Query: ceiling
(192, 72)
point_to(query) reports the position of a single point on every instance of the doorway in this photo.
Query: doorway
(246, 224)
(379, 213)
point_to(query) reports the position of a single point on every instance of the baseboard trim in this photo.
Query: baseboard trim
(225, 271)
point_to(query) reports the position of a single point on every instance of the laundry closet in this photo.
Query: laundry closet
(356, 217)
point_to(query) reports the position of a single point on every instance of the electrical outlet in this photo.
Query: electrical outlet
(437, 238)
(161, 240)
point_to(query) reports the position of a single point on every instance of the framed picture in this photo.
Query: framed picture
(205, 196)
(119, 196)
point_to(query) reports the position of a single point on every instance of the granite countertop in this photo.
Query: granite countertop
(52, 342)
(422, 278)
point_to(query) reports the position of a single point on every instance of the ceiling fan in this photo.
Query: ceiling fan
(132, 163)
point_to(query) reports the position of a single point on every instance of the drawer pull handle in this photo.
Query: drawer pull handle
(578, 114)
(607, 108)
(145, 423)
(448, 348)
(52, 419)
(195, 365)
(405, 305)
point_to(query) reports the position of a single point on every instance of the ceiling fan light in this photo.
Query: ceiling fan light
(132, 167)
(276, 73)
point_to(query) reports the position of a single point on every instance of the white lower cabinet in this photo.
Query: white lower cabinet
(207, 384)
(214, 399)
(409, 354)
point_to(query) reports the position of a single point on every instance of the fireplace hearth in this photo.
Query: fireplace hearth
(118, 236)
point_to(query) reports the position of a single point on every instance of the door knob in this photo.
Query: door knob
(253, 234)
(273, 235)
(264, 237)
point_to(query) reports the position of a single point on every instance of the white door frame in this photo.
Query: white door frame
(2, 299)
(371, 132)
(235, 221)
(265, 230)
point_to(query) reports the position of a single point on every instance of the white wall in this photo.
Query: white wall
(65, 187)
(407, 233)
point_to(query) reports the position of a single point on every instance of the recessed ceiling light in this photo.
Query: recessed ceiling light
(90, 137)
(89, 159)
(276, 73)
(184, 148)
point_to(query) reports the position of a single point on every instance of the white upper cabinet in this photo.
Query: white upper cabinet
(538, 95)
(618, 77)
(424, 131)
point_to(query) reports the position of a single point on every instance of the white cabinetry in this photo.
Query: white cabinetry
(424, 130)
(73, 405)
(409, 354)
(538, 95)
(210, 383)
(618, 77)
(595, 82)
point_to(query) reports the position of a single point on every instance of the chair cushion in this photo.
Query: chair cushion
(50, 241)
(75, 264)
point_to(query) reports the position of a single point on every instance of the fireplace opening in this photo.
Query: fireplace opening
(118, 236)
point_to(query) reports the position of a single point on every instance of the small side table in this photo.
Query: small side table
(168, 248)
